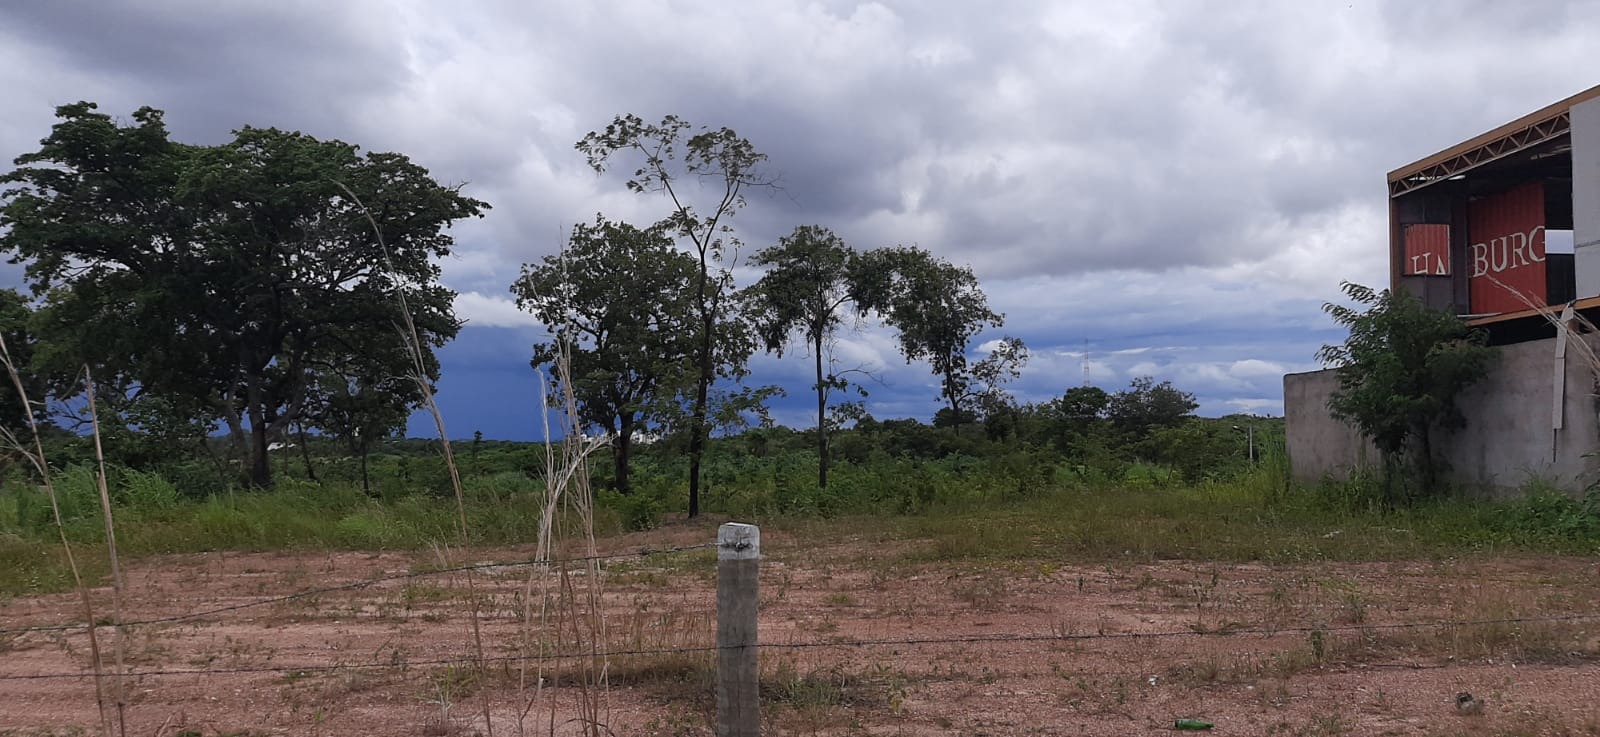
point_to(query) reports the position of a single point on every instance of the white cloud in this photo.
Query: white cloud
(480, 310)
(1145, 368)
(1253, 367)
(1257, 406)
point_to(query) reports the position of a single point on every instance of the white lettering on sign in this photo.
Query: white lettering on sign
(1507, 252)
(1428, 263)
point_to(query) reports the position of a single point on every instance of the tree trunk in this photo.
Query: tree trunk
(697, 425)
(305, 454)
(1425, 465)
(697, 444)
(260, 463)
(620, 450)
(366, 484)
(956, 418)
(236, 434)
(822, 420)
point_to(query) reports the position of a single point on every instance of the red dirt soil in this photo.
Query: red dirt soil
(1258, 650)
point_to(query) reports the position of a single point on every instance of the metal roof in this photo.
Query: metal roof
(1530, 130)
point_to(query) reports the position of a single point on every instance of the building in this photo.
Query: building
(1503, 229)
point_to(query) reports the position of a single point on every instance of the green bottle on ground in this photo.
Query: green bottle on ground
(1191, 724)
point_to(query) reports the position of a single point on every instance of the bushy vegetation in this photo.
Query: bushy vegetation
(1184, 491)
(1400, 370)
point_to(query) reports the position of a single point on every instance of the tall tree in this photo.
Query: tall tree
(1145, 406)
(225, 275)
(810, 279)
(935, 307)
(680, 162)
(620, 300)
(1400, 371)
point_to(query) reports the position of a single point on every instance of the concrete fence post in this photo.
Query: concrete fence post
(738, 672)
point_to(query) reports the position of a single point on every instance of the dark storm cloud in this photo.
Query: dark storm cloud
(299, 65)
(1035, 138)
(1183, 182)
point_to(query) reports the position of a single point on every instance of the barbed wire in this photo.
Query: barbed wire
(995, 638)
(1224, 632)
(356, 585)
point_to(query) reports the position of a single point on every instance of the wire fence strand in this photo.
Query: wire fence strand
(995, 638)
(354, 586)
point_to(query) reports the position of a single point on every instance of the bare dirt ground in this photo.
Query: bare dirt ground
(1110, 649)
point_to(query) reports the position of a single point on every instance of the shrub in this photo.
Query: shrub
(636, 511)
(1547, 514)
(146, 491)
(1400, 370)
(77, 495)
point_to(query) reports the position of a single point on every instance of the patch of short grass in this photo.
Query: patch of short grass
(31, 566)
(1214, 523)
(295, 516)
(817, 699)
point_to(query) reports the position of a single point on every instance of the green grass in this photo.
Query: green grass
(1217, 522)
(36, 566)
(960, 508)
(297, 515)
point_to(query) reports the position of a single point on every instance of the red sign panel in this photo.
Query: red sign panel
(1506, 232)
(1427, 250)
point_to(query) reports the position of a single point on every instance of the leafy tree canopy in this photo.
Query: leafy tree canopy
(619, 301)
(1146, 405)
(16, 316)
(226, 277)
(935, 307)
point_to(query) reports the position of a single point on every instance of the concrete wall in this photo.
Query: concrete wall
(1319, 445)
(1509, 438)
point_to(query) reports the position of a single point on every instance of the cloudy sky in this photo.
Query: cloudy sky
(1177, 185)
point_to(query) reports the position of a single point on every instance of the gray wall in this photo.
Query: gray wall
(1318, 444)
(1509, 438)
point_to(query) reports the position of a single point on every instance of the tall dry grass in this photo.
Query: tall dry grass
(36, 458)
(120, 647)
(570, 609)
(414, 347)
(1573, 329)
